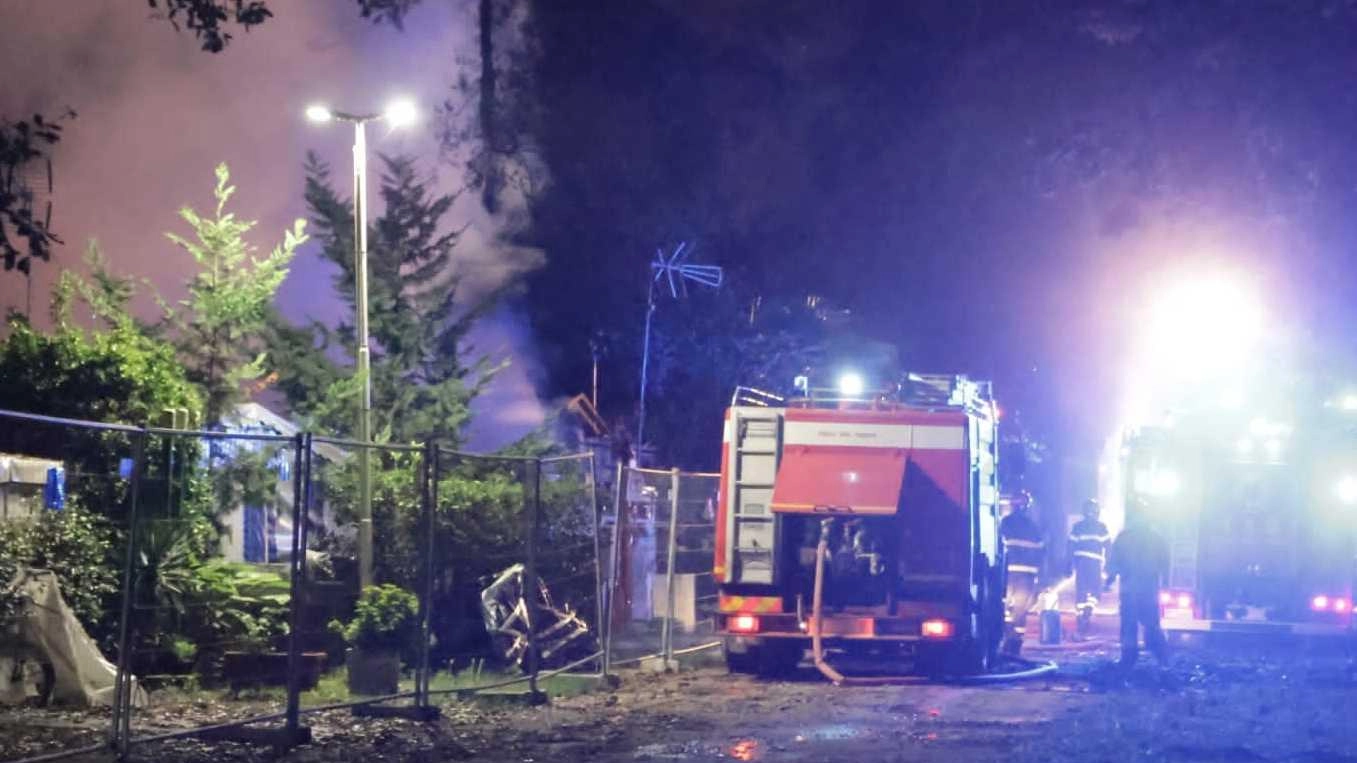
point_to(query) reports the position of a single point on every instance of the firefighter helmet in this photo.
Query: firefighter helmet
(1021, 500)
(1091, 507)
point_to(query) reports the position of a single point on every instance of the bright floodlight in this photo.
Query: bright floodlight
(851, 384)
(1346, 489)
(318, 113)
(1164, 484)
(1200, 327)
(401, 113)
(1349, 402)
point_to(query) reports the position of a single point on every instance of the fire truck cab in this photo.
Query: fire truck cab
(903, 486)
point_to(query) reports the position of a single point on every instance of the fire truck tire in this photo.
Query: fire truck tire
(769, 658)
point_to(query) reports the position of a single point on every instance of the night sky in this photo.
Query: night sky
(994, 187)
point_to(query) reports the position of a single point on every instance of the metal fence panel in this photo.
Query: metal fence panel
(640, 520)
(208, 597)
(65, 495)
(692, 597)
(230, 567)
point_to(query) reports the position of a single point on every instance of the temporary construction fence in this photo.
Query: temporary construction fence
(661, 594)
(237, 573)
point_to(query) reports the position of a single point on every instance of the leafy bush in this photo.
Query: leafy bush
(213, 605)
(76, 545)
(385, 618)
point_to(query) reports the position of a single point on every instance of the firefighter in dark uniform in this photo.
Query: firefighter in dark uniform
(1024, 549)
(1088, 547)
(1140, 558)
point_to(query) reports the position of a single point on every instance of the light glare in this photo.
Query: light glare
(851, 384)
(319, 114)
(1346, 489)
(401, 113)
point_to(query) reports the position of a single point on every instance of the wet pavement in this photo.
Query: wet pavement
(1211, 703)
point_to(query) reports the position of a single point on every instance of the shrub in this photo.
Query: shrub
(75, 544)
(385, 618)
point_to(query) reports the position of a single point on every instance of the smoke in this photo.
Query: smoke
(156, 114)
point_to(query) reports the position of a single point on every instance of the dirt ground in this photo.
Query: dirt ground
(1212, 703)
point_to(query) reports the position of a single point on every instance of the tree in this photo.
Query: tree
(210, 20)
(25, 233)
(220, 326)
(421, 385)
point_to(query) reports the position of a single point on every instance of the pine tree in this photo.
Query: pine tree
(219, 328)
(421, 385)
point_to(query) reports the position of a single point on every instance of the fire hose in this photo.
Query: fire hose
(1030, 669)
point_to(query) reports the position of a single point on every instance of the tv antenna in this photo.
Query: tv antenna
(674, 271)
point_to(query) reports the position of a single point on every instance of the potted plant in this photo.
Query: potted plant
(385, 624)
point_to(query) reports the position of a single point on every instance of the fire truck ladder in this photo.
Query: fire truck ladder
(754, 448)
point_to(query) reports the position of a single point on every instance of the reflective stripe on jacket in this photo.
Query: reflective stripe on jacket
(1023, 545)
(1089, 539)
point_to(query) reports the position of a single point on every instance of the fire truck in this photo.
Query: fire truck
(858, 521)
(1258, 513)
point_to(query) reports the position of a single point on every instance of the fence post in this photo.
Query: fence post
(616, 555)
(598, 559)
(428, 499)
(301, 493)
(530, 585)
(668, 638)
(122, 684)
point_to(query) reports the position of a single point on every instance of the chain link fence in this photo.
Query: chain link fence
(213, 581)
(661, 593)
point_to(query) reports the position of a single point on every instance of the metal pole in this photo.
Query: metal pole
(616, 554)
(645, 367)
(363, 361)
(530, 584)
(122, 685)
(598, 547)
(301, 479)
(668, 638)
(429, 497)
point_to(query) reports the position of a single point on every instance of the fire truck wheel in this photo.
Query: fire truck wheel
(744, 661)
(769, 658)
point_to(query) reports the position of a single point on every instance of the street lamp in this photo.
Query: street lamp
(399, 113)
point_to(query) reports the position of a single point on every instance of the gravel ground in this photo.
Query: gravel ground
(1213, 704)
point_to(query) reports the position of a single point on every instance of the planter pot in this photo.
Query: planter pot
(269, 669)
(374, 672)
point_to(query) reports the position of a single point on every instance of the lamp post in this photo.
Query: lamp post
(399, 113)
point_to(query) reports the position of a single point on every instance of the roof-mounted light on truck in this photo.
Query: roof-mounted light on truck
(851, 384)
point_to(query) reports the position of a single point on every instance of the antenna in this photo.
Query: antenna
(675, 271)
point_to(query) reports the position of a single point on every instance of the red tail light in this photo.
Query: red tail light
(1341, 605)
(743, 624)
(1165, 599)
(1319, 603)
(1184, 601)
(936, 629)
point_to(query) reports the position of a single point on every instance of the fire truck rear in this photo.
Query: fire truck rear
(901, 488)
(1257, 512)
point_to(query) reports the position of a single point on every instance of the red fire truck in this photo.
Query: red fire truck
(867, 520)
(1257, 511)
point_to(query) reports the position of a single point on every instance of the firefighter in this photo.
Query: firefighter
(1088, 546)
(1023, 552)
(1140, 558)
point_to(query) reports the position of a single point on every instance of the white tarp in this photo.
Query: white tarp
(49, 629)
